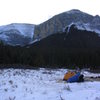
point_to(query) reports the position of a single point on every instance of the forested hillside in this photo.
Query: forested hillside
(75, 48)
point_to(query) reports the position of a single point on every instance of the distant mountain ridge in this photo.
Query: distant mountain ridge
(17, 34)
(60, 21)
(25, 34)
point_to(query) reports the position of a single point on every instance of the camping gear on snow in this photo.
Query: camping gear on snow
(81, 78)
(68, 75)
(73, 77)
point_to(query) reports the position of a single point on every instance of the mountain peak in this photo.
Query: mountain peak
(77, 12)
(73, 11)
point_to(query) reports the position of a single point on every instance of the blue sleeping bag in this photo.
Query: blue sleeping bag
(74, 78)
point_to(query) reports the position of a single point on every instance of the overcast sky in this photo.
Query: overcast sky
(37, 11)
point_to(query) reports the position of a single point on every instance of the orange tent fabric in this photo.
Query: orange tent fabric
(68, 75)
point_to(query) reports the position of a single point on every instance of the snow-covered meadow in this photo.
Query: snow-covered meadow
(45, 84)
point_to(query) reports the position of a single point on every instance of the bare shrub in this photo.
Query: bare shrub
(61, 98)
(67, 88)
(11, 82)
(12, 98)
(5, 90)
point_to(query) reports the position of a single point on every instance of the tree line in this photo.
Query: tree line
(49, 57)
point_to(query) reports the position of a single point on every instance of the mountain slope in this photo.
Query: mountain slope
(74, 38)
(17, 34)
(73, 47)
(24, 34)
(79, 47)
(60, 21)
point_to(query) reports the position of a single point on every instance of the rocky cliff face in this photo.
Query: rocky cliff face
(59, 22)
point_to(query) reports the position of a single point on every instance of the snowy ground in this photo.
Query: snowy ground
(43, 84)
